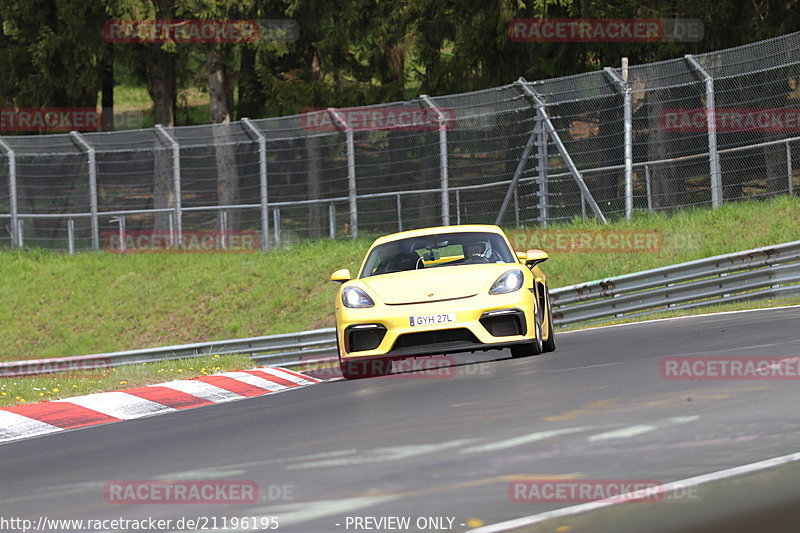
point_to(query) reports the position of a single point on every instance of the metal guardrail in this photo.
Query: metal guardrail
(771, 271)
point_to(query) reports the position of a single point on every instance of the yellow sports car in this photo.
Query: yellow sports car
(441, 290)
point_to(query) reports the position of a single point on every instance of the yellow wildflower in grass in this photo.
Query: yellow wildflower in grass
(123, 382)
(55, 390)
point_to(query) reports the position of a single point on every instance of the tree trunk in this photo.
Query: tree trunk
(220, 90)
(161, 85)
(107, 87)
(665, 186)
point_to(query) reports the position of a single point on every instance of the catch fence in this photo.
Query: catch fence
(701, 130)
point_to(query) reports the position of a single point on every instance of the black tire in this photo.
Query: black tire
(365, 369)
(530, 348)
(550, 344)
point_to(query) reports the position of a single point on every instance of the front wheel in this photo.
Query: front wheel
(550, 344)
(533, 347)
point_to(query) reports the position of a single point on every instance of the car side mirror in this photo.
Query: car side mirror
(522, 256)
(534, 257)
(340, 276)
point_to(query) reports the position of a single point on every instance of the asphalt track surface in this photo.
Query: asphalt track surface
(447, 447)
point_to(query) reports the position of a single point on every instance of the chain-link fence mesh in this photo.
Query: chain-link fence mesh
(703, 130)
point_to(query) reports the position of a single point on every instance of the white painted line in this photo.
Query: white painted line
(288, 376)
(15, 426)
(380, 455)
(624, 433)
(206, 391)
(118, 404)
(664, 489)
(682, 317)
(639, 429)
(525, 439)
(255, 381)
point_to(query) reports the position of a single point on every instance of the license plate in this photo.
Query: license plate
(429, 320)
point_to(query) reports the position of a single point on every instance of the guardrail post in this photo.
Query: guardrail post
(71, 236)
(262, 174)
(176, 180)
(625, 87)
(711, 120)
(443, 164)
(522, 84)
(92, 161)
(12, 192)
(351, 169)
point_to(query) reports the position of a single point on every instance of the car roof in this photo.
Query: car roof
(436, 230)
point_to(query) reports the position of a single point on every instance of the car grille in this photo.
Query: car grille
(433, 338)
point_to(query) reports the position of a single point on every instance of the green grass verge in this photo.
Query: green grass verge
(57, 305)
(31, 389)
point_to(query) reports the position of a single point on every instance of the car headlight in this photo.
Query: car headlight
(356, 298)
(509, 282)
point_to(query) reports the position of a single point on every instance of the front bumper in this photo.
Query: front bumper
(482, 322)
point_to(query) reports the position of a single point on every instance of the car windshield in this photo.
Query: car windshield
(433, 251)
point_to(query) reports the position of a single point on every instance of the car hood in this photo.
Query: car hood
(435, 284)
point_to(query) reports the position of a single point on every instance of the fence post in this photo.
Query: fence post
(711, 120)
(90, 154)
(443, 164)
(332, 220)
(176, 179)
(649, 190)
(541, 158)
(512, 188)
(399, 215)
(71, 236)
(522, 83)
(121, 221)
(276, 225)
(262, 174)
(458, 206)
(789, 167)
(625, 87)
(351, 169)
(12, 192)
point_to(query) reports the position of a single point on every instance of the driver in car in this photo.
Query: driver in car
(474, 252)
